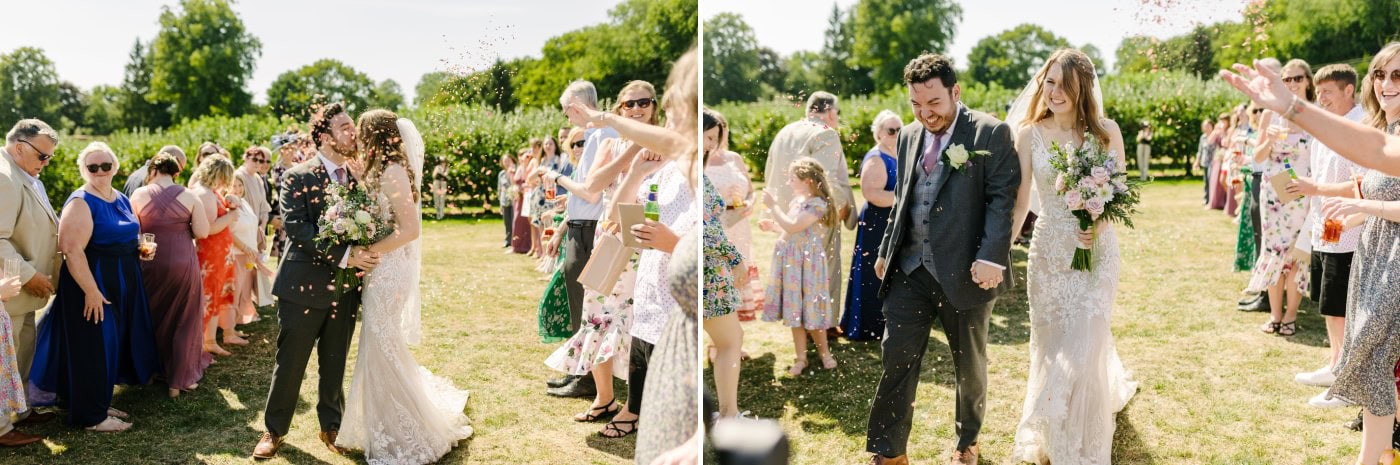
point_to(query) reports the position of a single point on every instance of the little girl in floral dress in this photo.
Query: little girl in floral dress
(798, 293)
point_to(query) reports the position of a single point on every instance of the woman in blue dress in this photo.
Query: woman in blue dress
(97, 333)
(864, 318)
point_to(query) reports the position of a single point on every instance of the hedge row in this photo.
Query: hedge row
(472, 139)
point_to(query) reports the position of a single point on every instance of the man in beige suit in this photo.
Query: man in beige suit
(816, 136)
(29, 233)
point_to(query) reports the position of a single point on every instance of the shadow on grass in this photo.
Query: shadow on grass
(1128, 446)
(624, 448)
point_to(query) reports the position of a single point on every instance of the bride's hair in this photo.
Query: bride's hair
(381, 144)
(1077, 80)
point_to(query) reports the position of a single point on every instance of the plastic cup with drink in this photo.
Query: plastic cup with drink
(147, 246)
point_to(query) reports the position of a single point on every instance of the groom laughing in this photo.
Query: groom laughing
(948, 249)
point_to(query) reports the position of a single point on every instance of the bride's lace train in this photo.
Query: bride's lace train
(398, 412)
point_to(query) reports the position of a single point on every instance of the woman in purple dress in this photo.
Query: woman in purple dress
(173, 287)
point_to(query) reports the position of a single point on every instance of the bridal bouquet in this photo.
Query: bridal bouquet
(352, 217)
(1094, 188)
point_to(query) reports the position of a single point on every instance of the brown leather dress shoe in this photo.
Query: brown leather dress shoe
(14, 438)
(267, 446)
(328, 438)
(35, 418)
(882, 460)
(966, 456)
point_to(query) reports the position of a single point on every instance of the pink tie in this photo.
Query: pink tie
(932, 157)
(340, 176)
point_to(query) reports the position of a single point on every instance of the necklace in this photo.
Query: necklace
(108, 196)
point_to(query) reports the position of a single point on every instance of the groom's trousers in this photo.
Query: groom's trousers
(913, 303)
(303, 328)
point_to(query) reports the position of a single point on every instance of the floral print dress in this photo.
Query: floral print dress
(799, 293)
(11, 392)
(721, 257)
(1281, 222)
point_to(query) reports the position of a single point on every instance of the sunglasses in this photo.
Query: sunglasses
(104, 167)
(1257, 111)
(639, 103)
(1379, 75)
(42, 156)
(891, 131)
(258, 160)
(578, 143)
(1294, 79)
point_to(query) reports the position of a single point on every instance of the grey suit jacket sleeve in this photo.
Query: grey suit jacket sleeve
(1002, 177)
(300, 224)
(901, 150)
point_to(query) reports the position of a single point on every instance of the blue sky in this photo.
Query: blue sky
(791, 25)
(89, 40)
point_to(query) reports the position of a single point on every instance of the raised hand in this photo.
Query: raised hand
(1261, 85)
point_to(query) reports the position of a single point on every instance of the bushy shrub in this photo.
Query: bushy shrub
(471, 138)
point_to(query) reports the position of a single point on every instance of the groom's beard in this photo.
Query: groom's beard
(939, 122)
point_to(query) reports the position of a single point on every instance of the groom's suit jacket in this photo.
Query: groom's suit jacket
(970, 212)
(308, 266)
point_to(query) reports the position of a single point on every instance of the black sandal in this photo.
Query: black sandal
(1287, 329)
(607, 412)
(1271, 327)
(611, 429)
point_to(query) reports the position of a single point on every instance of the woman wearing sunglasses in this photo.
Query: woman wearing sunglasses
(864, 318)
(97, 332)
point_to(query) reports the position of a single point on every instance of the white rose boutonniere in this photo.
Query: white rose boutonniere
(958, 156)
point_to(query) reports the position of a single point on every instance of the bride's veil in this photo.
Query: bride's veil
(1017, 115)
(410, 324)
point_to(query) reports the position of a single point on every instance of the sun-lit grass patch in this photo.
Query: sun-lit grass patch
(1213, 388)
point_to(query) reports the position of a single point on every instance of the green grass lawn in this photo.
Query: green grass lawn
(1213, 388)
(479, 330)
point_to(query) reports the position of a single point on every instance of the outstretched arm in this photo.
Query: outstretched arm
(1367, 146)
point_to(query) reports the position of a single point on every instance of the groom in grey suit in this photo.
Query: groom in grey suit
(946, 255)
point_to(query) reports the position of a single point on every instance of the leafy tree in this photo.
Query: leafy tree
(843, 75)
(387, 95)
(1012, 56)
(640, 41)
(803, 74)
(429, 85)
(136, 106)
(31, 86)
(732, 60)
(888, 33)
(492, 87)
(295, 93)
(201, 59)
(102, 115)
(72, 106)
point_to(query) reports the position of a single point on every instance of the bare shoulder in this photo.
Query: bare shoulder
(1111, 126)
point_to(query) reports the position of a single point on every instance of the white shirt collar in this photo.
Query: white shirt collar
(330, 165)
(1356, 113)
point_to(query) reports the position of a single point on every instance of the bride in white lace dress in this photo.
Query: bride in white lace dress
(398, 412)
(1076, 381)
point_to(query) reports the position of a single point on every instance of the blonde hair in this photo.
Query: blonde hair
(215, 172)
(1375, 115)
(1077, 82)
(642, 86)
(880, 121)
(95, 147)
(808, 170)
(682, 103)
